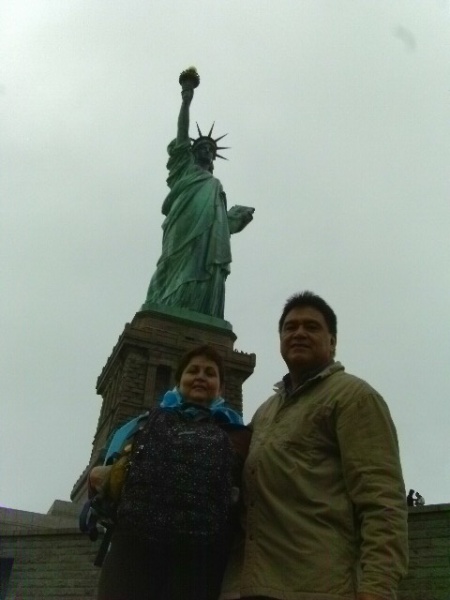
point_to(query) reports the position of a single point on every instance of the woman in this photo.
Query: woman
(175, 517)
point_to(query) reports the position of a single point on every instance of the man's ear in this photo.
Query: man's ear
(333, 342)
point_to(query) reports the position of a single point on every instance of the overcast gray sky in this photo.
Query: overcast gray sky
(338, 115)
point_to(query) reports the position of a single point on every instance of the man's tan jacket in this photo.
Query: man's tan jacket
(325, 503)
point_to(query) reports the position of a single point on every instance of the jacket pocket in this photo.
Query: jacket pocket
(313, 435)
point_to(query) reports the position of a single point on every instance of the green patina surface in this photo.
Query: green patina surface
(196, 254)
(187, 315)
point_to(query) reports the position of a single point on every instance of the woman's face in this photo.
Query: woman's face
(200, 381)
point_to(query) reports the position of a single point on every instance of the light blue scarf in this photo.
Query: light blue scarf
(173, 400)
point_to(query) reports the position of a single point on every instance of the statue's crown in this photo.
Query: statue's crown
(210, 140)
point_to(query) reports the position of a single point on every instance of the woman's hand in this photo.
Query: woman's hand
(98, 477)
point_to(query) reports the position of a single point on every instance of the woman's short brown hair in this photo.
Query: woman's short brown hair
(206, 351)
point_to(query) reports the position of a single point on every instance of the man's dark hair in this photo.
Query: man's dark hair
(310, 299)
(206, 351)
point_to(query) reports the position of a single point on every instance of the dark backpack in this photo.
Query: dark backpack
(179, 483)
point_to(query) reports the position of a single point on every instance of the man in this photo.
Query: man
(325, 505)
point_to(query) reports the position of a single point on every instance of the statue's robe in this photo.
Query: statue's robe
(196, 253)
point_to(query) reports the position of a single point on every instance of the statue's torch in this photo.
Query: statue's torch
(189, 79)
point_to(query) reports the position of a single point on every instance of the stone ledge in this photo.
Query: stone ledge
(15, 532)
(427, 508)
(62, 517)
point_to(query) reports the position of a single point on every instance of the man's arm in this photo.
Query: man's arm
(372, 472)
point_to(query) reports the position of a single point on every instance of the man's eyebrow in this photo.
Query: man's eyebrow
(306, 320)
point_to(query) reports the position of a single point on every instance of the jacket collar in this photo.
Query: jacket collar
(284, 386)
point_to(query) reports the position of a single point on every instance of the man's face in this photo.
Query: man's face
(305, 341)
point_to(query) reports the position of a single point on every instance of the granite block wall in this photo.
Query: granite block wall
(44, 557)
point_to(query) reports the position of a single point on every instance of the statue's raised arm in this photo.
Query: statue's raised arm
(195, 261)
(189, 80)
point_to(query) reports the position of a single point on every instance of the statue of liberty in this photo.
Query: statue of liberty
(196, 254)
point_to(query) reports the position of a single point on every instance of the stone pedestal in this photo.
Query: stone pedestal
(142, 366)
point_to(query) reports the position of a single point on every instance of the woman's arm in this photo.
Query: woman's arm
(97, 479)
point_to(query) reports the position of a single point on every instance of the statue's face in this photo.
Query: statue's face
(204, 154)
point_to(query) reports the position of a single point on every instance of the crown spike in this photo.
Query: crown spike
(208, 138)
(221, 137)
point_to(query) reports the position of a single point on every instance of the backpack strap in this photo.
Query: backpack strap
(121, 436)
